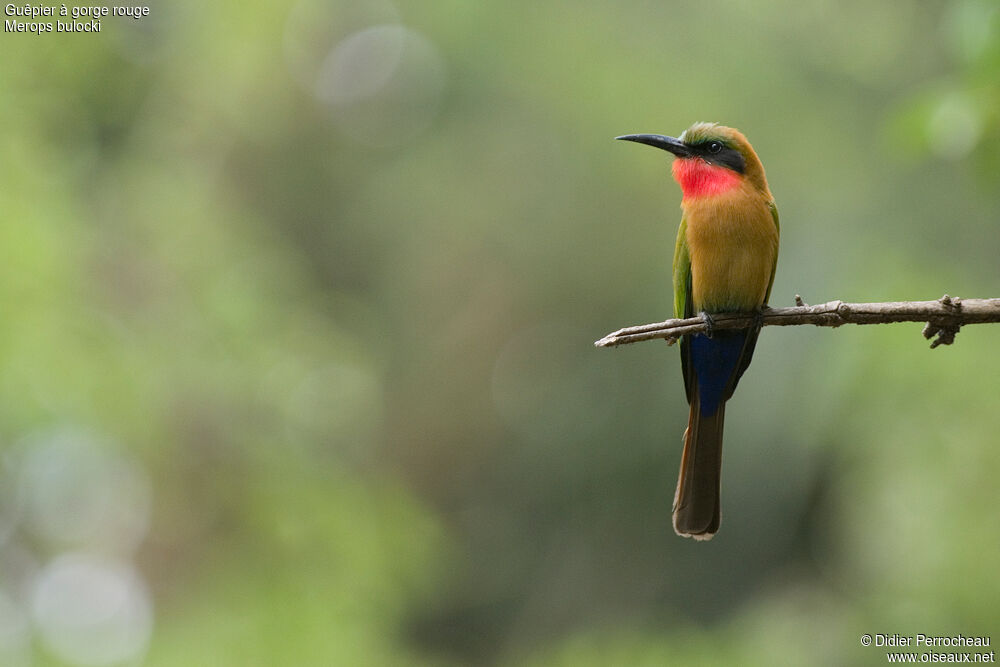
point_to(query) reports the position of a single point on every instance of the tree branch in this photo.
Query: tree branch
(944, 318)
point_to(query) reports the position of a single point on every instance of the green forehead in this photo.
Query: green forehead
(700, 132)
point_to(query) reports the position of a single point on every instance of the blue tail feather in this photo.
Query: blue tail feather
(715, 361)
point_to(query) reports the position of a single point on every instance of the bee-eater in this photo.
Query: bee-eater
(727, 250)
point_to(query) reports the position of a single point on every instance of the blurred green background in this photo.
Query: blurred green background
(298, 302)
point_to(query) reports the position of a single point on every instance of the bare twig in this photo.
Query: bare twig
(944, 318)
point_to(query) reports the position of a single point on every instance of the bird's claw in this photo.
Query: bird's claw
(709, 324)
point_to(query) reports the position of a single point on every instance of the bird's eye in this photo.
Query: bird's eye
(714, 147)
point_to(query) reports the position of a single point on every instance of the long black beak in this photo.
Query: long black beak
(675, 146)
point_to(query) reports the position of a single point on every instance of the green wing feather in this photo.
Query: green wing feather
(682, 302)
(682, 274)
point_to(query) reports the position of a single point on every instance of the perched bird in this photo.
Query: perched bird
(727, 250)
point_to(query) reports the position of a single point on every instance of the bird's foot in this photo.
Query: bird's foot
(709, 323)
(758, 318)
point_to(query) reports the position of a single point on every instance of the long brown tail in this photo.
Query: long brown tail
(696, 503)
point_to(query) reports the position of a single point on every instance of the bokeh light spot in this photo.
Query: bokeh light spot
(92, 612)
(383, 84)
(361, 65)
(954, 127)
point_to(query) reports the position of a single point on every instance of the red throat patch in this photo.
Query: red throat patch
(699, 178)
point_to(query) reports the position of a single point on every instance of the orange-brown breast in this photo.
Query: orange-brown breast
(733, 243)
